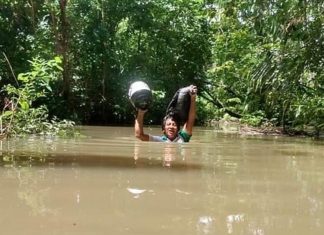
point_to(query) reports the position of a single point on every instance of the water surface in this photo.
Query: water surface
(110, 183)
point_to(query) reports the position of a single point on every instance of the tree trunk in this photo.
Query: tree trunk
(63, 49)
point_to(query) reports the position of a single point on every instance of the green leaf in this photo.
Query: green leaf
(298, 111)
(23, 77)
(24, 105)
(58, 59)
(7, 113)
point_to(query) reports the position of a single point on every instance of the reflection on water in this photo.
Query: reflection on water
(168, 155)
(110, 183)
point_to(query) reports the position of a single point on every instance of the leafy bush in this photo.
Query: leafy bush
(20, 115)
(254, 119)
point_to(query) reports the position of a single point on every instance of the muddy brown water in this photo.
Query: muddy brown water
(109, 183)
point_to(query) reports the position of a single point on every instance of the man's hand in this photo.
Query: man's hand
(141, 111)
(193, 90)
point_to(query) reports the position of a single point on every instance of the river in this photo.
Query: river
(107, 182)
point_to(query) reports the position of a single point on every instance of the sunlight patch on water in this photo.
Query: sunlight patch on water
(136, 192)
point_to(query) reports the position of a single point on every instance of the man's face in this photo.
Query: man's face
(171, 129)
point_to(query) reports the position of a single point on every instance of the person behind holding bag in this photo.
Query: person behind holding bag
(171, 124)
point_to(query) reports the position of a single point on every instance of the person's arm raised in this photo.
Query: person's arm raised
(139, 131)
(188, 126)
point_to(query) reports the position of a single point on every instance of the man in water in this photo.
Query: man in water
(170, 125)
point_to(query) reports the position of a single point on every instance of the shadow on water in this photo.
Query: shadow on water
(113, 150)
(107, 161)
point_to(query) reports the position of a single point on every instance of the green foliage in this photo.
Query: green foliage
(255, 119)
(35, 84)
(21, 116)
(309, 112)
(258, 60)
(269, 56)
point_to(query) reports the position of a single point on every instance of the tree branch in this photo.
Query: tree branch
(209, 97)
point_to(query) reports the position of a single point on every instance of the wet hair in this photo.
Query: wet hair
(173, 117)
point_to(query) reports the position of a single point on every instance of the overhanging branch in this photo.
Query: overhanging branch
(209, 97)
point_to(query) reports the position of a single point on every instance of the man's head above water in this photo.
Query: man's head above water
(170, 126)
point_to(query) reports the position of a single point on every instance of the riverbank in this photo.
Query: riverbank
(269, 130)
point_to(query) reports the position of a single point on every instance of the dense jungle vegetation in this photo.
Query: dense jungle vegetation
(257, 61)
